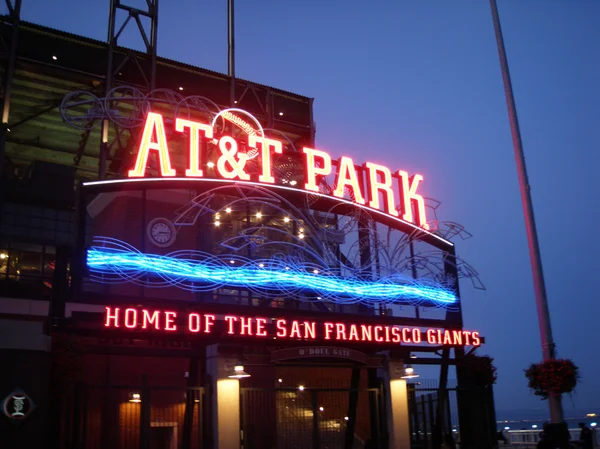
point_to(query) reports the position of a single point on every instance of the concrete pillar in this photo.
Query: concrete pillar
(225, 400)
(396, 406)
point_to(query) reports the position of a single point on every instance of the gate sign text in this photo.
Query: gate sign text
(281, 328)
(371, 185)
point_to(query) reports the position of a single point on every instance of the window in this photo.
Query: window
(26, 270)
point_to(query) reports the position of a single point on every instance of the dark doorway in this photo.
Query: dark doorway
(163, 437)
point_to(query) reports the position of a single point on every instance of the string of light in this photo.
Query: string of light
(114, 261)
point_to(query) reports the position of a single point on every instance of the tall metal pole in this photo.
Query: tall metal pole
(548, 347)
(231, 49)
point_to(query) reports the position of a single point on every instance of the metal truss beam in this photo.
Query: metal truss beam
(14, 16)
(34, 115)
(150, 39)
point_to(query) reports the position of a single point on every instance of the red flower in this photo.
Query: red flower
(552, 377)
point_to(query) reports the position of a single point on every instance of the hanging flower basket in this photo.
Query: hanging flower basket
(553, 377)
(481, 368)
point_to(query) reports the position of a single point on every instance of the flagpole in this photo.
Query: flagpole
(231, 50)
(548, 346)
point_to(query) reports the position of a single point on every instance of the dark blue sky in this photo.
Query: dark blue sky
(417, 85)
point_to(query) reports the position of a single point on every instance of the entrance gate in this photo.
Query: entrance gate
(316, 418)
(423, 406)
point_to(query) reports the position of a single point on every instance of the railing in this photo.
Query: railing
(529, 438)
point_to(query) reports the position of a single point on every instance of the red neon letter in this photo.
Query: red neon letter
(130, 318)
(312, 171)
(114, 318)
(447, 337)
(366, 332)
(295, 332)
(150, 319)
(209, 321)
(309, 330)
(476, 339)
(230, 320)
(353, 333)
(194, 322)
(405, 337)
(340, 331)
(416, 336)
(170, 321)
(346, 176)
(397, 338)
(260, 327)
(328, 330)
(409, 197)
(431, 337)
(457, 337)
(195, 128)
(229, 150)
(265, 147)
(246, 326)
(154, 124)
(467, 337)
(374, 186)
(377, 330)
(281, 329)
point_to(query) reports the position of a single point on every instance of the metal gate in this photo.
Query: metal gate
(108, 417)
(426, 417)
(295, 418)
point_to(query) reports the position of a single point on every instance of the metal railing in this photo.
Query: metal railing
(530, 437)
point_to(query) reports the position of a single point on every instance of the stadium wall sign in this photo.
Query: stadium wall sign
(367, 185)
(256, 327)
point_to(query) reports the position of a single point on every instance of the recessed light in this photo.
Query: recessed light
(54, 57)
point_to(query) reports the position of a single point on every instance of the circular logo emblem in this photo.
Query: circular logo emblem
(17, 405)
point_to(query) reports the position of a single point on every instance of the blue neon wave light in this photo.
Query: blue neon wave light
(114, 261)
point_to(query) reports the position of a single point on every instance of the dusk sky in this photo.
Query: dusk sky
(417, 85)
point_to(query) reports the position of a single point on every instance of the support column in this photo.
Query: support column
(396, 403)
(25, 362)
(225, 399)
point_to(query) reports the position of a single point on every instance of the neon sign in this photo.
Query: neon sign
(116, 261)
(364, 184)
(161, 320)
